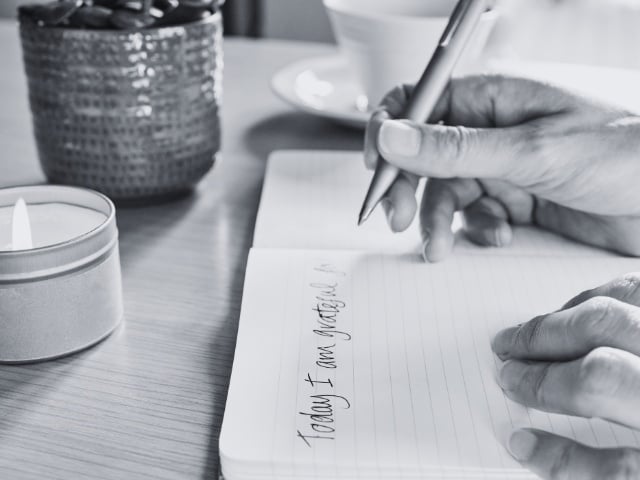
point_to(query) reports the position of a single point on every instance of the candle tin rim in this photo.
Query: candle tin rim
(61, 257)
(108, 216)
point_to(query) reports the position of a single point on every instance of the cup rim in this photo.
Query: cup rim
(333, 6)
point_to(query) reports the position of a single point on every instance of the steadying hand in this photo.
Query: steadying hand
(512, 151)
(581, 360)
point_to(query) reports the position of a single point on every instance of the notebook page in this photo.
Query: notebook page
(311, 199)
(393, 358)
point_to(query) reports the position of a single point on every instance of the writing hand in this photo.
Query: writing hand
(581, 360)
(512, 151)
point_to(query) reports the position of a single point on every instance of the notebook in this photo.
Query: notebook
(355, 359)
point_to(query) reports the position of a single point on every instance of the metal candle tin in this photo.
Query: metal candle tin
(61, 298)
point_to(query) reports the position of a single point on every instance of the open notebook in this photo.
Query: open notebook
(357, 360)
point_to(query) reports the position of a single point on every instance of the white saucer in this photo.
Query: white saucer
(323, 86)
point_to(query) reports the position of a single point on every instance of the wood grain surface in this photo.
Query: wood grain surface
(148, 401)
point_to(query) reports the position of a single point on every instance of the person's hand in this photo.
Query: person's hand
(580, 360)
(512, 151)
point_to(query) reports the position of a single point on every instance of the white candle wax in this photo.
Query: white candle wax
(51, 223)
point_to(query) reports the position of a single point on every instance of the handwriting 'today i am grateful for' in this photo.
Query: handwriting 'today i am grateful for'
(317, 421)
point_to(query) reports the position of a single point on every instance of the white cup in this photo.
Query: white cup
(389, 42)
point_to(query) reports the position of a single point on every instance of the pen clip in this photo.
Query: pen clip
(456, 16)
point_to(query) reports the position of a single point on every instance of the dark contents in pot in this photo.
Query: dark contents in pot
(118, 14)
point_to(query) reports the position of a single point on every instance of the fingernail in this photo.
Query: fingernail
(390, 211)
(502, 236)
(397, 137)
(502, 341)
(426, 238)
(509, 374)
(522, 444)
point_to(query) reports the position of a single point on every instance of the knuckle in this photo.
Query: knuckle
(528, 335)
(540, 389)
(607, 321)
(600, 376)
(538, 145)
(623, 464)
(378, 116)
(597, 318)
(454, 146)
(406, 90)
(629, 324)
(561, 464)
(535, 141)
(394, 99)
(493, 84)
(393, 93)
(629, 285)
(600, 304)
(486, 85)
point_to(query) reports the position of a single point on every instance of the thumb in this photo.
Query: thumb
(446, 152)
(552, 457)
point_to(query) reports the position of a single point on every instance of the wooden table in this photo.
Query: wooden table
(148, 402)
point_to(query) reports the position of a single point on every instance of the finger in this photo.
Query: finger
(395, 101)
(440, 201)
(483, 101)
(390, 107)
(553, 457)
(573, 332)
(486, 223)
(485, 149)
(605, 383)
(448, 152)
(370, 137)
(400, 203)
(517, 202)
(596, 230)
(625, 288)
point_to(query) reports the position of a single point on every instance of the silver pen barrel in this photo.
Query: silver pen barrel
(428, 90)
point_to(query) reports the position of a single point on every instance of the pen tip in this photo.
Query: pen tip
(364, 215)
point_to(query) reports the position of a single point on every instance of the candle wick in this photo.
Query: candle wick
(21, 238)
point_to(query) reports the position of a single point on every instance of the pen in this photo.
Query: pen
(428, 90)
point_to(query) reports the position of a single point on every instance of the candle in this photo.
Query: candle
(60, 281)
(21, 238)
(50, 223)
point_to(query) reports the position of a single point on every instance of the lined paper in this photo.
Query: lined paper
(310, 199)
(413, 363)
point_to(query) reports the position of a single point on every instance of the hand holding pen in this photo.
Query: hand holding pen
(428, 90)
(512, 151)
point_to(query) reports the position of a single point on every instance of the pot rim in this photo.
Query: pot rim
(27, 22)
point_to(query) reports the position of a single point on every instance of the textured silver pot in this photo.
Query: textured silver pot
(133, 114)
